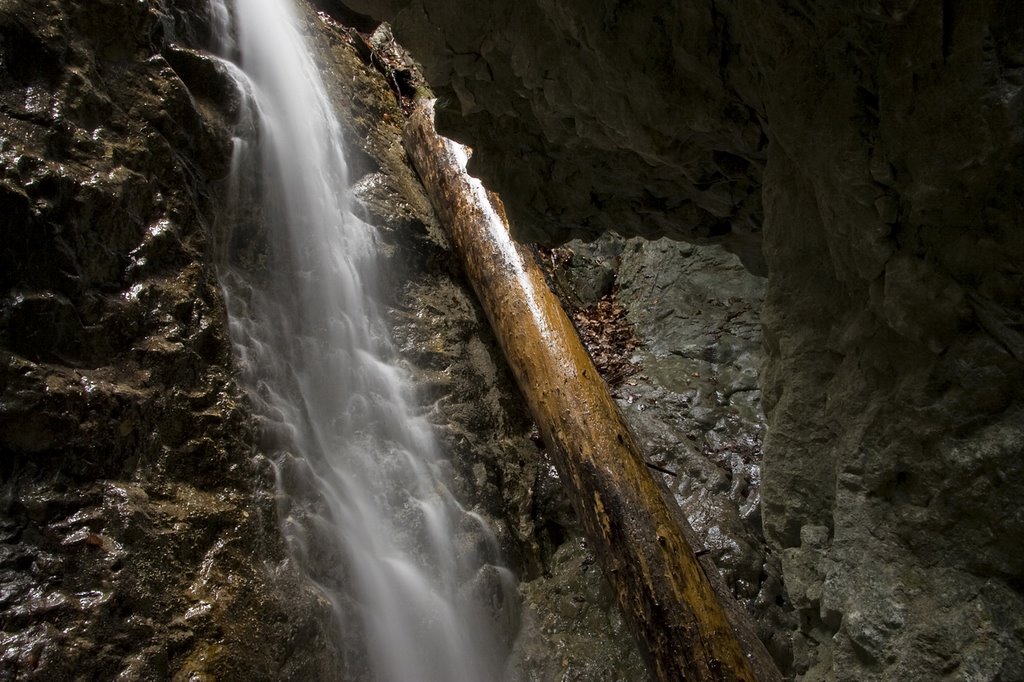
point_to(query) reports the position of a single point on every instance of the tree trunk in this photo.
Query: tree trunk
(634, 529)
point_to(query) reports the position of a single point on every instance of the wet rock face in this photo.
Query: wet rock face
(138, 516)
(138, 526)
(694, 400)
(565, 624)
(877, 144)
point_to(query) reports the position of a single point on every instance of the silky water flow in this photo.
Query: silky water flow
(365, 512)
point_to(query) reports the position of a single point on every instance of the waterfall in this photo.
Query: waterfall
(363, 508)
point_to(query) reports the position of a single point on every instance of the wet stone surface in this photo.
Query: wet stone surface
(137, 519)
(693, 400)
(878, 144)
(564, 624)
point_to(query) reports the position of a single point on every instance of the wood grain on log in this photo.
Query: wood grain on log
(635, 529)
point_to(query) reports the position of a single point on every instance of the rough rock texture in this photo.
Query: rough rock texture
(566, 626)
(599, 109)
(138, 525)
(138, 517)
(878, 145)
(693, 399)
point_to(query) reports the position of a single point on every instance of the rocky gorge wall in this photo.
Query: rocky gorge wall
(139, 517)
(133, 499)
(139, 520)
(686, 379)
(866, 156)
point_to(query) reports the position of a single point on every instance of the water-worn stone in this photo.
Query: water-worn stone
(139, 524)
(878, 140)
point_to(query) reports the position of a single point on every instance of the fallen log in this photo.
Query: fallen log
(635, 529)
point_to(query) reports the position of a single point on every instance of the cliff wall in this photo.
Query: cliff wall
(139, 529)
(139, 516)
(866, 156)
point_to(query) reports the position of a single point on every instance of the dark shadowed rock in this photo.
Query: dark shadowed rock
(870, 151)
(139, 518)
(865, 154)
(138, 521)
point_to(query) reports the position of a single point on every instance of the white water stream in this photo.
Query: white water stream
(365, 513)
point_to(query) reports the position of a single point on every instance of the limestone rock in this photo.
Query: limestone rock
(865, 154)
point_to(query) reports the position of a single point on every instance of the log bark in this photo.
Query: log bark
(634, 528)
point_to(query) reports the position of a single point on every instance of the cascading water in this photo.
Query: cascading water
(364, 511)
